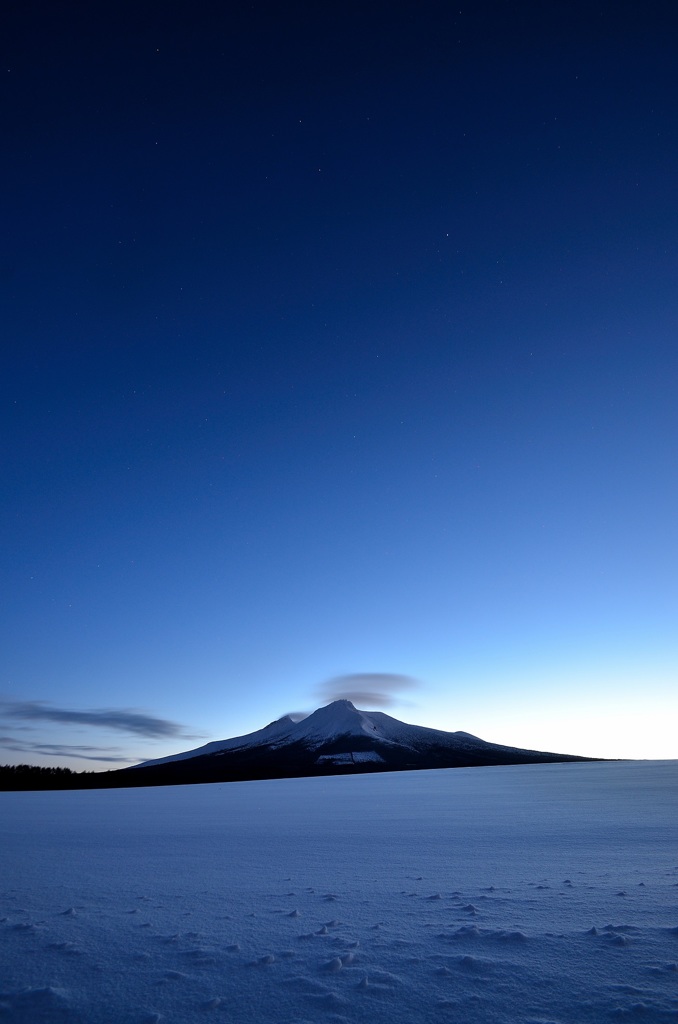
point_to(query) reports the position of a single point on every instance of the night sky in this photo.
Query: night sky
(339, 358)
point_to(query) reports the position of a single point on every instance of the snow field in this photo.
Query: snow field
(540, 894)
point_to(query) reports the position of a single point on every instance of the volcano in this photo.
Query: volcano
(335, 740)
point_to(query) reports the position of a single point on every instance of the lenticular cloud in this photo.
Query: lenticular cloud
(370, 689)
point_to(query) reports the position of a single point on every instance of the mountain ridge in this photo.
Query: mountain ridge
(335, 739)
(325, 724)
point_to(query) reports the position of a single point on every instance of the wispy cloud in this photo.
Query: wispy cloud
(81, 751)
(368, 689)
(130, 721)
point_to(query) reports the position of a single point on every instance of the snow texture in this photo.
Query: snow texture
(530, 894)
(353, 757)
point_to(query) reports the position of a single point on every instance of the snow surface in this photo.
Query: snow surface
(527, 894)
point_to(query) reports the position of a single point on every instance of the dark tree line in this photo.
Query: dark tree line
(31, 776)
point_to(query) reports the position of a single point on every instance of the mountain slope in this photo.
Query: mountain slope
(277, 730)
(336, 739)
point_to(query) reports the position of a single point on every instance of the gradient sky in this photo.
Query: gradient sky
(339, 340)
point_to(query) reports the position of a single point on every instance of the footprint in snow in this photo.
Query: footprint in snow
(510, 936)
(333, 966)
(330, 1000)
(65, 947)
(468, 962)
(306, 985)
(667, 968)
(384, 979)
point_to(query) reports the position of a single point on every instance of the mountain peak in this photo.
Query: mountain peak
(341, 734)
(340, 718)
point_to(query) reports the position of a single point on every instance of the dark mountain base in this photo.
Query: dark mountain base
(295, 761)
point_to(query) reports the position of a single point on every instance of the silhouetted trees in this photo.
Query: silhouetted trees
(31, 776)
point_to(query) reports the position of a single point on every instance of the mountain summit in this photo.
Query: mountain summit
(336, 739)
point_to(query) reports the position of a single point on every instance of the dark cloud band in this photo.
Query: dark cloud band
(121, 719)
(79, 751)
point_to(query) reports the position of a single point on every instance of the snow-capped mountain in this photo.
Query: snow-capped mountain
(338, 738)
(334, 723)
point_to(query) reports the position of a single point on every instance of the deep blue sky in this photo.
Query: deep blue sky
(338, 341)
